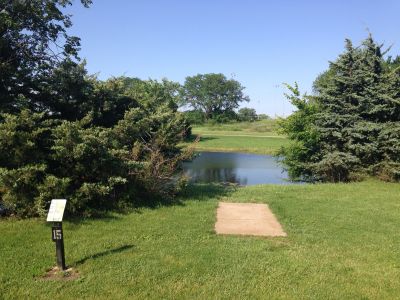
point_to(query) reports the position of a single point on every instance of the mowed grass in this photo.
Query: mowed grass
(343, 243)
(258, 137)
(245, 144)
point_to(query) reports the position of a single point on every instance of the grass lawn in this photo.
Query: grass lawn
(251, 137)
(343, 243)
(250, 144)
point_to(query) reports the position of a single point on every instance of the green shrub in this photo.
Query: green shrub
(351, 125)
(20, 188)
(247, 114)
(135, 162)
(100, 144)
(195, 116)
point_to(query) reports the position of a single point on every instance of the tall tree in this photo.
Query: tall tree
(357, 102)
(63, 133)
(213, 94)
(247, 114)
(33, 43)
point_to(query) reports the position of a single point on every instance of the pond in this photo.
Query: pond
(240, 168)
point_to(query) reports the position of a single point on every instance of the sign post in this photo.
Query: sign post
(55, 215)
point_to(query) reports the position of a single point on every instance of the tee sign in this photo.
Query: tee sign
(56, 210)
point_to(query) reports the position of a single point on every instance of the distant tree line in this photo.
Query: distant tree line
(350, 126)
(66, 134)
(244, 114)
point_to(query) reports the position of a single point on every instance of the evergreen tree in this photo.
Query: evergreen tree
(357, 100)
(305, 148)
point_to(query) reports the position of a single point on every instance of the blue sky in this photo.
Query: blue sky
(258, 42)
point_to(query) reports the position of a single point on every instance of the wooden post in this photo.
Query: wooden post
(58, 238)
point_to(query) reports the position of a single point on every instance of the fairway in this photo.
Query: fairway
(244, 144)
(342, 243)
(247, 137)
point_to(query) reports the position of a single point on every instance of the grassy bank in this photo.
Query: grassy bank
(342, 243)
(260, 128)
(244, 144)
(259, 137)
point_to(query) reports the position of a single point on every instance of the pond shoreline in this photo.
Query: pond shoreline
(236, 168)
(242, 143)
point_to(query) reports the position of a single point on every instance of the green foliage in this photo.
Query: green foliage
(213, 94)
(392, 63)
(195, 117)
(263, 117)
(350, 125)
(223, 117)
(322, 81)
(85, 156)
(300, 128)
(67, 92)
(247, 114)
(64, 134)
(388, 141)
(95, 168)
(51, 187)
(19, 188)
(33, 43)
(24, 139)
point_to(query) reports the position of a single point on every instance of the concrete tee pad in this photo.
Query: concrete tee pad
(247, 219)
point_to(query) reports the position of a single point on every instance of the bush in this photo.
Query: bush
(135, 162)
(224, 117)
(20, 188)
(336, 166)
(71, 135)
(263, 117)
(195, 116)
(247, 114)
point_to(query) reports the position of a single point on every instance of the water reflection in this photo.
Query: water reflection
(215, 175)
(240, 168)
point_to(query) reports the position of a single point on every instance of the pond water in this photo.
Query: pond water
(240, 168)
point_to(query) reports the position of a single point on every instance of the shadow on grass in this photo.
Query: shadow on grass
(193, 138)
(205, 191)
(107, 216)
(103, 253)
(192, 192)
